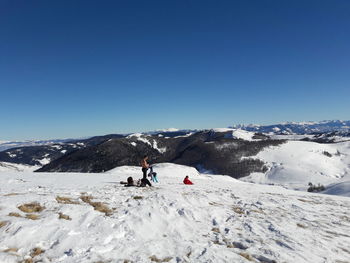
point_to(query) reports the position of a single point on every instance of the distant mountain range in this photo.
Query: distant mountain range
(4, 145)
(214, 151)
(228, 151)
(299, 127)
(209, 151)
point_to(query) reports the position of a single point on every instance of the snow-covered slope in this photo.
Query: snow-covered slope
(237, 133)
(13, 167)
(296, 163)
(342, 188)
(218, 219)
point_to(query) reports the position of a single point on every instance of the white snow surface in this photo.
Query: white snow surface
(242, 134)
(222, 129)
(218, 219)
(44, 161)
(237, 133)
(296, 163)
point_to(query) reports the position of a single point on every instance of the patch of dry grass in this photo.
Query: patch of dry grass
(238, 210)
(304, 200)
(14, 214)
(301, 225)
(33, 253)
(27, 260)
(86, 198)
(98, 206)
(102, 208)
(215, 229)
(33, 207)
(3, 223)
(260, 211)
(246, 256)
(215, 204)
(65, 200)
(309, 201)
(63, 216)
(36, 252)
(32, 216)
(155, 259)
(12, 194)
(10, 250)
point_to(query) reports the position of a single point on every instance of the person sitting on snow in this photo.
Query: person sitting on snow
(187, 180)
(140, 183)
(145, 182)
(130, 182)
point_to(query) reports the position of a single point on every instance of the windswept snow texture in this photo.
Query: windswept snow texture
(296, 163)
(218, 219)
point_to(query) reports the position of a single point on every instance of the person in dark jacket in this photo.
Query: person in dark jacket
(140, 183)
(129, 182)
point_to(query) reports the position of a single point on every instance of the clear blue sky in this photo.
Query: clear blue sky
(80, 68)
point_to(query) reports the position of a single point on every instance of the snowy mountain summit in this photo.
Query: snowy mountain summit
(71, 217)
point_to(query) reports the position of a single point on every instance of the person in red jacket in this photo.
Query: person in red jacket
(187, 181)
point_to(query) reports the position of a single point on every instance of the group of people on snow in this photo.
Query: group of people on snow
(153, 175)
